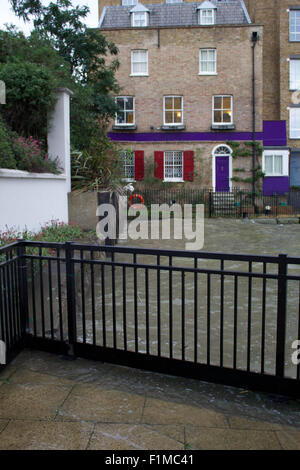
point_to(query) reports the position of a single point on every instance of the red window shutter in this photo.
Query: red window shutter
(188, 165)
(139, 165)
(159, 165)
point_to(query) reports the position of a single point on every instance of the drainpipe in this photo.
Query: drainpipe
(254, 39)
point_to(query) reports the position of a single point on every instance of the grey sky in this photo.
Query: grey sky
(7, 15)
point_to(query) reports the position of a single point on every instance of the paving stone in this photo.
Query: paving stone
(3, 423)
(232, 439)
(290, 440)
(167, 412)
(267, 221)
(31, 401)
(45, 435)
(26, 376)
(89, 402)
(238, 422)
(7, 372)
(131, 437)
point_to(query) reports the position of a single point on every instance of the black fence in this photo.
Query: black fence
(236, 203)
(226, 318)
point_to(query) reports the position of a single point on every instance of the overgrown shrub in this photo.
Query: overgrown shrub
(7, 159)
(30, 156)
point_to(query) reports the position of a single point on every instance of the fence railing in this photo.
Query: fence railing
(236, 203)
(228, 318)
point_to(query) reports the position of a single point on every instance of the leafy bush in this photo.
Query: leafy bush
(30, 156)
(53, 231)
(98, 167)
(7, 159)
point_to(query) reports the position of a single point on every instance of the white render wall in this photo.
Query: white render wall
(28, 200)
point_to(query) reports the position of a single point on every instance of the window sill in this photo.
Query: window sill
(223, 127)
(179, 127)
(139, 75)
(124, 128)
(173, 180)
(207, 74)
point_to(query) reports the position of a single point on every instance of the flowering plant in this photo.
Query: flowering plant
(30, 156)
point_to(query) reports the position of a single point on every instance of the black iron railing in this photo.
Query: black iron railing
(228, 318)
(237, 203)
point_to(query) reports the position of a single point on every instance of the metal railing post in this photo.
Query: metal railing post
(23, 288)
(281, 315)
(71, 298)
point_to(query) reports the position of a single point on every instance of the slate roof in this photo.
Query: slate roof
(176, 14)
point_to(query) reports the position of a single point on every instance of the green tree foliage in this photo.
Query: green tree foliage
(7, 159)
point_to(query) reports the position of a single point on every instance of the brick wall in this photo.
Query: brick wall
(174, 66)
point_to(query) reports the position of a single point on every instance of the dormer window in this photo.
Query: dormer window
(139, 16)
(207, 13)
(206, 17)
(127, 3)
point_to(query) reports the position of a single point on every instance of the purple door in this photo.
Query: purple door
(222, 174)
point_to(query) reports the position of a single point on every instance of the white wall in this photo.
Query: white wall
(31, 199)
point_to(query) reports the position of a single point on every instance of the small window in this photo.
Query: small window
(173, 166)
(222, 109)
(207, 62)
(139, 19)
(127, 3)
(294, 123)
(128, 161)
(294, 74)
(173, 110)
(126, 115)
(295, 25)
(206, 17)
(139, 62)
(174, 1)
(276, 162)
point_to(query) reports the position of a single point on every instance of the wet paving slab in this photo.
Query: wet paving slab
(48, 402)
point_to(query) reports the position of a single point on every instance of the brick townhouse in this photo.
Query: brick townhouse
(194, 77)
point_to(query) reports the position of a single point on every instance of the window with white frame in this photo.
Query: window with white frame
(173, 110)
(222, 109)
(294, 123)
(126, 115)
(174, 1)
(139, 62)
(173, 166)
(127, 3)
(206, 16)
(294, 74)
(276, 162)
(294, 25)
(139, 19)
(207, 61)
(127, 160)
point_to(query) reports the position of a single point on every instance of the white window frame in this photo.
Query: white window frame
(143, 74)
(125, 124)
(173, 179)
(174, 1)
(294, 132)
(135, 15)
(126, 178)
(129, 3)
(285, 162)
(173, 110)
(213, 110)
(293, 20)
(202, 16)
(294, 82)
(201, 61)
